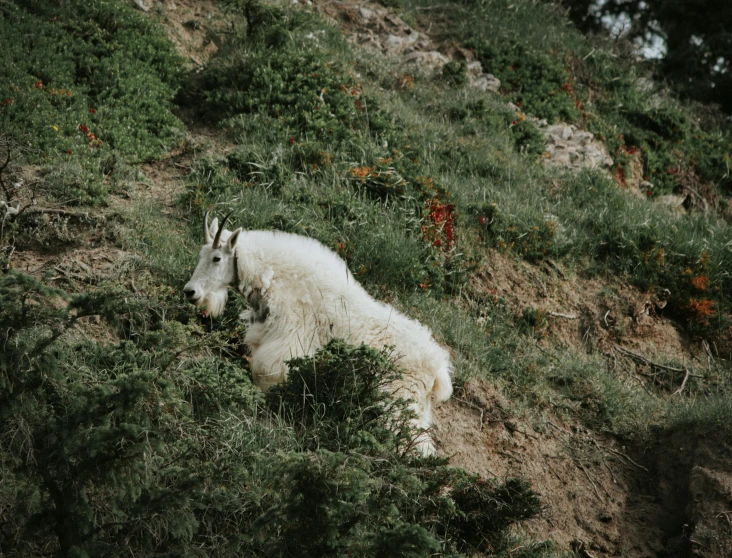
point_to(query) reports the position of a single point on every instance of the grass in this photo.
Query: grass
(363, 197)
(412, 181)
(84, 82)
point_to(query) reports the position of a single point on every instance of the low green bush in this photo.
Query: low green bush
(82, 80)
(536, 81)
(149, 446)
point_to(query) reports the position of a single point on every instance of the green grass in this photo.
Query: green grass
(82, 82)
(411, 186)
(361, 196)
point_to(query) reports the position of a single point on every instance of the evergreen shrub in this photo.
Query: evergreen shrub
(152, 447)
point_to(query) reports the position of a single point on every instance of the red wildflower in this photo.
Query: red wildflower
(481, 220)
(700, 282)
(291, 140)
(8, 101)
(701, 309)
(68, 152)
(83, 128)
(38, 85)
(440, 223)
(92, 111)
(518, 104)
(514, 123)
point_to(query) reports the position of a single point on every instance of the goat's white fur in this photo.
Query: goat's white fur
(311, 298)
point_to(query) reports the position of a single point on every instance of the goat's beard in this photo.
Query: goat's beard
(215, 302)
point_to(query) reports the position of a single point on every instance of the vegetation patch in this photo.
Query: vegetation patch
(83, 81)
(538, 82)
(96, 438)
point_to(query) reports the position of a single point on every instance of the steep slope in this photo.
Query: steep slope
(479, 165)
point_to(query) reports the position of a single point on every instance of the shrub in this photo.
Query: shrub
(538, 82)
(455, 73)
(135, 446)
(87, 75)
(533, 241)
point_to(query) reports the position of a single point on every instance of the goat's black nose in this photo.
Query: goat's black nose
(189, 293)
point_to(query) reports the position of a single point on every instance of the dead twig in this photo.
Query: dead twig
(647, 362)
(5, 166)
(560, 315)
(550, 423)
(683, 384)
(710, 356)
(618, 453)
(594, 486)
(554, 472)
(640, 358)
(612, 475)
(474, 406)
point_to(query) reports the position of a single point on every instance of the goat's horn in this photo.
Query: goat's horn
(206, 232)
(217, 238)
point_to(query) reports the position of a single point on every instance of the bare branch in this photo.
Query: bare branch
(647, 362)
(683, 384)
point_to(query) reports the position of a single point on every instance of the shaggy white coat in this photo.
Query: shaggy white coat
(312, 297)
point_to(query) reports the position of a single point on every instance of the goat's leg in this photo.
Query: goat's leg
(269, 360)
(420, 402)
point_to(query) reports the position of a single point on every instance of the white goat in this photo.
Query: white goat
(303, 295)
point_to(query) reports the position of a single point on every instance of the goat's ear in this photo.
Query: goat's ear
(233, 238)
(213, 227)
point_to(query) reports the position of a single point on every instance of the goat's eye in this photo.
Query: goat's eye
(217, 259)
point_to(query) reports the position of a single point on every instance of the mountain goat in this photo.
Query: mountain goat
(302, 295)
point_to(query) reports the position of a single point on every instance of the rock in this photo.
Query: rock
(555, 129)
(475, 69)
(570, 147)
(140, 4)
(486, 82)
(365, 13)
(367, 40)
(674, 202)
(583, 138)
(394, 41)
(428, 61)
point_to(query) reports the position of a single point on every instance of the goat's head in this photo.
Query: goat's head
(216, 269)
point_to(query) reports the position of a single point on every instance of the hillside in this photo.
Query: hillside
(560, 222)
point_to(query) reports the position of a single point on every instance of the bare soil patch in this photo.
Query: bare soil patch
(670, 499)
(586, 491)
(591, 315)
